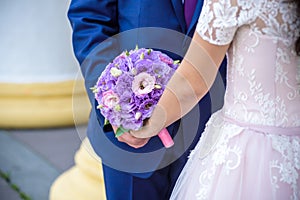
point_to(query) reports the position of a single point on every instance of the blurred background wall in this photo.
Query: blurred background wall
(38, 70)
(39, 83)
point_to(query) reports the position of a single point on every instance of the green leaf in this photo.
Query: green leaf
(5, 176)
(106, 122)
(142, 56)
(94, 89)
(117, 108)
(100, 106)
(176, 62)
(120, 131)
(15, 187)
(24, 196)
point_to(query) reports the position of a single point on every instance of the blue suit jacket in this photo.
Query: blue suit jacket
(93, 23)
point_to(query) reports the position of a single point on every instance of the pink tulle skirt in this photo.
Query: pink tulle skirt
(238, 163)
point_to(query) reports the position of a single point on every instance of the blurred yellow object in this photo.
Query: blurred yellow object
(42, 105)
(84, 181)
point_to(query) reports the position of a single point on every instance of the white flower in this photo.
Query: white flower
(133, 71)
(138, 115)
(110, 99)
(115, 72)
(143, 83)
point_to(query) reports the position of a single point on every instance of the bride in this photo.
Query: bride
(250, 148)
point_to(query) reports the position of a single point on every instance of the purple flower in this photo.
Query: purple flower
(123, 63)
(123, 86)
(143, 65)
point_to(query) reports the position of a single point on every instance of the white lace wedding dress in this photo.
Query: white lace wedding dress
(250, 149)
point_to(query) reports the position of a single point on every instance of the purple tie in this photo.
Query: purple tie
(189, 8)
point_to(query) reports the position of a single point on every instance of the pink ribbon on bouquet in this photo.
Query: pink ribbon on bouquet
(166, 138)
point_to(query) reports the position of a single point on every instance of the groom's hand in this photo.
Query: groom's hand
(131, 140)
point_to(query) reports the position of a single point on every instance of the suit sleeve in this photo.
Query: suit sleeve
(93, 22)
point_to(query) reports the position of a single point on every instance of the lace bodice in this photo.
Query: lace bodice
(263, 80)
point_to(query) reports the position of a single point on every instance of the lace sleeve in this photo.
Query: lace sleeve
(219, 20)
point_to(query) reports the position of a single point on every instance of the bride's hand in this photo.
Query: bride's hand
(131, 140)
(153, 125)
(146, 131)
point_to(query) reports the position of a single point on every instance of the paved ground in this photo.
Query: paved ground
(34, 158)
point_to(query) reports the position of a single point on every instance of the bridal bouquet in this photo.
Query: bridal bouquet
(130, 87)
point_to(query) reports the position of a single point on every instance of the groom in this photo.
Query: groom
(94, 21)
